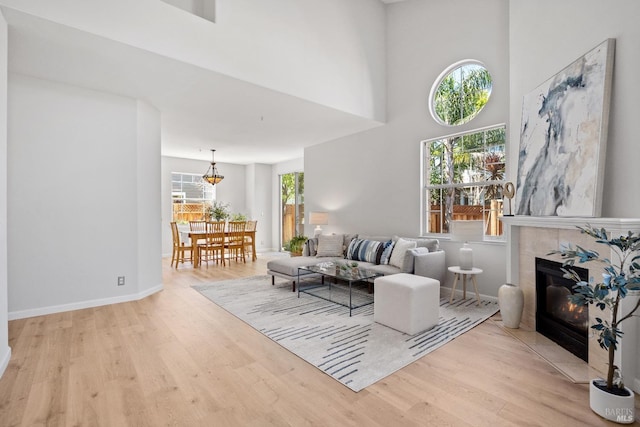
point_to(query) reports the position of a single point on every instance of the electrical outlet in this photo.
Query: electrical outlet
(120, 280)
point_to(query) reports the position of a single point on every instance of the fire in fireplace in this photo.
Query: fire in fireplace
(556, 317)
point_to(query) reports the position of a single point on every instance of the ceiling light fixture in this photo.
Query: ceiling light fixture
(212, 176)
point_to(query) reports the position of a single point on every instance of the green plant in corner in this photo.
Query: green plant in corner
(295, 245)
(619, 278)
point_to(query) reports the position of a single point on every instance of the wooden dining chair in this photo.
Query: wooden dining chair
(213, 247)
(249, 238)
(178, 254)
(235, 240)
(200, 226)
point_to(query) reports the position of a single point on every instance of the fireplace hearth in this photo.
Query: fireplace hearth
(556, 317)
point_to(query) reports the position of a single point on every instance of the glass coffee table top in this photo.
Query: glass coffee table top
(343, 291)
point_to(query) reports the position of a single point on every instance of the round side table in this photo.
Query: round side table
(457, 271)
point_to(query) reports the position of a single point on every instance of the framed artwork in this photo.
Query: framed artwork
(563, 139)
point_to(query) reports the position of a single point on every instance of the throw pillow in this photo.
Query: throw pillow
(347, 241)
(386, 252)
(364, 250)
(310, 247)
(330, 245)
(399, 251)
(408, 265)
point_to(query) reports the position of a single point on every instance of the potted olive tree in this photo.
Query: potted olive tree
(608, 398)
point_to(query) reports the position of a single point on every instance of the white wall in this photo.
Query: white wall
(77, 197)
(231, 190)
(370, 182)
(259, 202)
(280, 44)
(5, 351)
(545, 37)
(148, 197)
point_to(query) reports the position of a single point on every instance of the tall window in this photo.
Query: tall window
(463, 180)
(192, 196)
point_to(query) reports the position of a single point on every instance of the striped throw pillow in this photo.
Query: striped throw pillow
(364, 250)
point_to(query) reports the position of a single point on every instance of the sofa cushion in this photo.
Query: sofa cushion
(347, 241)
(431, 244)
(364, 250)
(289, 266)
(409, 258)
(387, 249)
(330, 245)
(400, 251)
(384, 269)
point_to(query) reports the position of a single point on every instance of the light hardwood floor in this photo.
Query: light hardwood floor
(177, 359)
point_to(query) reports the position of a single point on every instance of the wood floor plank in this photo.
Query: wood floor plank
(176, 359)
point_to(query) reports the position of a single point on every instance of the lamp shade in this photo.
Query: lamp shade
(318, 218)
(467, 231)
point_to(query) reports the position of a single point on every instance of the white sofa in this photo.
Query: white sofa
(425, 259)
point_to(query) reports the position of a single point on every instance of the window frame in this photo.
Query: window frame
(179, 196)
(436, 85)
(426, 187)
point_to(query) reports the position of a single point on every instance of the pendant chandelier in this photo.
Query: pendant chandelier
(212, 176)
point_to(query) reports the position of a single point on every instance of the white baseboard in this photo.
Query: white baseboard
(471, 294)
(41, 311)
(5, 360)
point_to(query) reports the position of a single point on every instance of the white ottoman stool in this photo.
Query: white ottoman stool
(406, 302)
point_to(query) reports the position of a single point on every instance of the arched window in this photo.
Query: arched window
(460, 92)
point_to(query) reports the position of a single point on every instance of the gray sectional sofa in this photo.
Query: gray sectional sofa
(382, 254)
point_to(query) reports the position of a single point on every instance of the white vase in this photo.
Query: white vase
(466, 257)
(511, 302)
(620, 409)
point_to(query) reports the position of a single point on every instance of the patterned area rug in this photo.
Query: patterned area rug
(355, 350)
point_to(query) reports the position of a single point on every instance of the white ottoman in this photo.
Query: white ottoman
(406, 302)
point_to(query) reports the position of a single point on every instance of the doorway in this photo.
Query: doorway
(291, 206)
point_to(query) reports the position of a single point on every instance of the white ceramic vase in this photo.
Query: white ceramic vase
(620, 409)
(511, 302)
(466, 257)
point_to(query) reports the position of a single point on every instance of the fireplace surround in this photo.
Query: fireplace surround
(529, 237)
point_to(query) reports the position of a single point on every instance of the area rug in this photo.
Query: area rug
(354, 350)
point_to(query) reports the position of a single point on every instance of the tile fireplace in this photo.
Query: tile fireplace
(529, 238)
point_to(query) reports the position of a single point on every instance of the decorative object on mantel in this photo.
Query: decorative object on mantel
(511, 302)
(563, 139)
(212, 176)
(608, 398)
(509, 191)
(318, 219)
(466, 231)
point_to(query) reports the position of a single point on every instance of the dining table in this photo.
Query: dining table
(196, 235)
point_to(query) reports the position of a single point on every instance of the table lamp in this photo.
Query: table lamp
(318, 219)
(466, 231)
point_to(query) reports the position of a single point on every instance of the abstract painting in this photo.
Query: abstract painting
(563, 139)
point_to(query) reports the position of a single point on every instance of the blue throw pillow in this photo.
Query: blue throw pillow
(364, 250)
(385, 255)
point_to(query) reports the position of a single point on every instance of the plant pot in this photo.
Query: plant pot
(511, 302)
(620, 409)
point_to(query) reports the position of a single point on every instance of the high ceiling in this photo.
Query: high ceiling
(200, 109)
